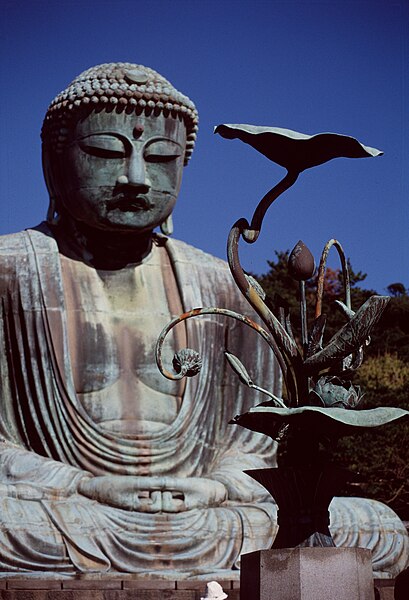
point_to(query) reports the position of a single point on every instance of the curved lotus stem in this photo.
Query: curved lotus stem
(196, 312)
(251, 232)
(285, 348)
(321, 275)
(250, 293)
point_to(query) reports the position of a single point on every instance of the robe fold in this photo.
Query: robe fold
(49, 443)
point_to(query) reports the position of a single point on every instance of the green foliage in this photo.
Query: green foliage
(381, 456)
(386, 373)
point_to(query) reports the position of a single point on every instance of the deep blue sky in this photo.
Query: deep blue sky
(312, 66)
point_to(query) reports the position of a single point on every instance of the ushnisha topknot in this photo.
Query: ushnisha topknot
(121, 87)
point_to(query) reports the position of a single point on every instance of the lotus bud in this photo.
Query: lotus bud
(301, 264)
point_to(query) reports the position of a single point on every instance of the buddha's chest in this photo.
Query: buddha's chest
(114, 319)
(113, 340)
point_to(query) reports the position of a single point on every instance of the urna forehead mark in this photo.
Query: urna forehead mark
(138, 130)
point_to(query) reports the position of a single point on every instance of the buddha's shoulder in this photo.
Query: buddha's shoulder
(185, 253)
(15, 247)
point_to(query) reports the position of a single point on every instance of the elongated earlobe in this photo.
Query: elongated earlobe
(52, 214)
(167, 226)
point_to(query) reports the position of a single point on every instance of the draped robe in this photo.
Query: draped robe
(49, 443)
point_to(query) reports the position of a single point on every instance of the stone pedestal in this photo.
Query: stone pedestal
(100, 587)
(307, 574)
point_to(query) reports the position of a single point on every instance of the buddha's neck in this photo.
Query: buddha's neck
(99, 248)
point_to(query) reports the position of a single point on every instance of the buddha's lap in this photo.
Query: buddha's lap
(86, 534)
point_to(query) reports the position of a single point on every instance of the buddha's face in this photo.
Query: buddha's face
(121, 171)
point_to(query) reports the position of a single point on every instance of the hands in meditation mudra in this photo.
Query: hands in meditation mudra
(105, 465)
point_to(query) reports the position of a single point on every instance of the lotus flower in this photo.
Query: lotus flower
(297, 151)
(330, 391)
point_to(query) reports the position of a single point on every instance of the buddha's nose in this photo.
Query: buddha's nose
(136, 175)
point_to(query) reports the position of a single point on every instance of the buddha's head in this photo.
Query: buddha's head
(114, 146)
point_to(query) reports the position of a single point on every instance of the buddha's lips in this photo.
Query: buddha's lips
(130, 203)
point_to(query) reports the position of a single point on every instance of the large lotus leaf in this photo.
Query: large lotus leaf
(351, 336)
(319, 421)
(297, 151)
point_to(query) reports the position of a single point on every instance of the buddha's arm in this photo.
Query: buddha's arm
(229, 470)
(31, 476)
(23, 473)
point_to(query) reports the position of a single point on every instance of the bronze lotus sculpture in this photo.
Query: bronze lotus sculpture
(317, 376)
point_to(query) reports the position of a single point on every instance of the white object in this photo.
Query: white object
(214, 591)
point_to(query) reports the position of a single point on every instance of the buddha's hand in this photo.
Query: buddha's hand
(154, 494)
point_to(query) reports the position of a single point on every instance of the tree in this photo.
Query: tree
(396, 289)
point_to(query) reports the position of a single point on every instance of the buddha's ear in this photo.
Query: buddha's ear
(167, 226)
(50, 172)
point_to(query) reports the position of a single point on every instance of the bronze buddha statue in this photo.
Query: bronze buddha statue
(105, 466)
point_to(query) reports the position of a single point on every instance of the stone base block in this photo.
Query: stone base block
(307, 574)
